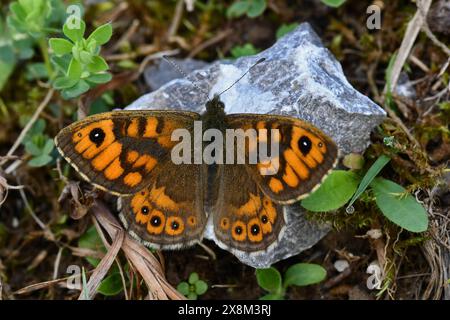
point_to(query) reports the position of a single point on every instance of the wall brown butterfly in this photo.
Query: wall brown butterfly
(167, 205)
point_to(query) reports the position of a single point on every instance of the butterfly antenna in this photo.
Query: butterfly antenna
(183, 73)
(254, 65)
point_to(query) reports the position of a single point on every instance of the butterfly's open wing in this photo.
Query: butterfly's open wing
(244, 218)
(168, 214)
(306, 155)
(119, 151)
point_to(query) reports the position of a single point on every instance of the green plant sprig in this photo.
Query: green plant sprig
(78, 58)
(300, 274)
(193, 288)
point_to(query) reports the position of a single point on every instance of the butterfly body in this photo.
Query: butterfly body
(166, 204)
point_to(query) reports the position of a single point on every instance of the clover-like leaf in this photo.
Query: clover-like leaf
(75, 69)
(99, 78)
(74, 29)
(48, 147)
(201, 287)
(101, 35)
(238, 9)
(40, 161)
(193, 278)
(78, 89)
(183, 288)
(60, 46)
(98, 64)
(64, 83)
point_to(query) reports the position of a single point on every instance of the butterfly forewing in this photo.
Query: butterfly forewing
(305, 155)
(119, 151)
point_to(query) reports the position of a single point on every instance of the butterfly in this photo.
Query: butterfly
(167, 205)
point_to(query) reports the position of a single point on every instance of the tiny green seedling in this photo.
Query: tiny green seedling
(300, 274)
(246, 50)
(285, 29)
(333, 3)
(193, 288)
(39, 145)
(251, 8)
(78, 58)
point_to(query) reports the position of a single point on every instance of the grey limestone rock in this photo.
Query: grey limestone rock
(300, 78)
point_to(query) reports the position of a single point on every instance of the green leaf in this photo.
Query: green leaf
(333, 3)
(272, 296)
(60, 46)
(285, 29)
(91, 240)
(48, 147)
(61, 63)
(86, 57)
(111, 285)
(334, 192)
(399, 206)
(245, 50)
(98, 64)
(99, 78)
(75, 69)
(304, 274)
(36, 71)
(183, 288)
(32, 148)
(74, 29)
(17, 10)
(238, 9)
(64, 83)
(257, 7)
(7, 64)
(192, 296)
(40, 161)
(77, 90)
(369, 176)
(193, 278)
(102, 34)
(269, 279)
(200, 287)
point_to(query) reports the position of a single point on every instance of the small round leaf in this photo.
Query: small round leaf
(183, 288)
(269, 279)
(399, 206)
(334, 192)
(304, 274)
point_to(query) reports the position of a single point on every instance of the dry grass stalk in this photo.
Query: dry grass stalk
(139, 256)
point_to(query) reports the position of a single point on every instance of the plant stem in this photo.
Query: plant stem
(44, 51)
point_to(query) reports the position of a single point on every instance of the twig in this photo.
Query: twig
(202, 46)
(155, 56)
(29, 125)
(408, 40)
(128, 34)
(139, 256)
(176, 20)
(102, 269)
(423, 10)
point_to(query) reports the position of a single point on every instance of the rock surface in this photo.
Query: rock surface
(300, 78)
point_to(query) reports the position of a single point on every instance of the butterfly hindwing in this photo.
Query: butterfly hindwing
(118, 151)
(244, 218)
(305, 156)
(168, 215)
